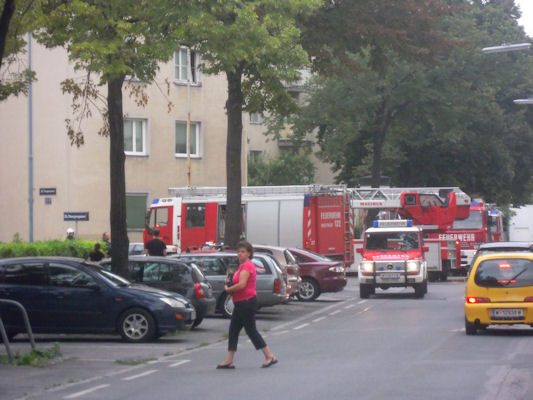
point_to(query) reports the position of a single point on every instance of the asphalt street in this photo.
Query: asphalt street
(391, 346)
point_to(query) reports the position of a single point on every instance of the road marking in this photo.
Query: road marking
(179, 363)
(350, 306)
(335, 312)
(362, 301)
(130, 378)
(84, 392)
(300, 326)
(319, 319)
(363, 311)
(280, 333)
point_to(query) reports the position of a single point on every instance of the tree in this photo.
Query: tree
(113, 39)
(452, 123)
(289, 168)
(14, 23)
(255, 43)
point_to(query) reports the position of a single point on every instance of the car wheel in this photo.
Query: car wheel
(366, 290)
(470, 328)
(227, 306)
(196, 322)
(309, 290)
(420, 291)
(137, 325)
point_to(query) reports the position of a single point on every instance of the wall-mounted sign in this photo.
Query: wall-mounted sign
(47, 191)
(76, 216)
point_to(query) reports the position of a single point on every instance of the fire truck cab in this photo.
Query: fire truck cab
(393, 255)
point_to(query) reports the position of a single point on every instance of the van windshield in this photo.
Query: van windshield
(505, 272)
(392, 241)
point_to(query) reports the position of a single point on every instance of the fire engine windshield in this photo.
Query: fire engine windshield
(474, 221)
(392, 241)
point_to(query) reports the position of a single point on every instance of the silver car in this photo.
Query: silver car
(271, 287)
(287, 261)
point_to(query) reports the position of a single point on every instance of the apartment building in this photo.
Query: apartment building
(71, 183)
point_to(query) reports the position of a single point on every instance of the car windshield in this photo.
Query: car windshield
(109, 277)
(392, 241)
(474, 221)
(505, 272)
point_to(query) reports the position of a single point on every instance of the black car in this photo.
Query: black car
(70, 295)
(174, 276)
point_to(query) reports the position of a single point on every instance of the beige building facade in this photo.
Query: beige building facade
(68, 179)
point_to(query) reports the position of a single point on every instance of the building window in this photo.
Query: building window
(136, 210)
(181, 139)
(255, 155)
(256, 118)
(182, 66)
(134, 136)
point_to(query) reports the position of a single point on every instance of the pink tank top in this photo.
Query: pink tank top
(249, 290)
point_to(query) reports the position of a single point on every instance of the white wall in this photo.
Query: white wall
(521, 224)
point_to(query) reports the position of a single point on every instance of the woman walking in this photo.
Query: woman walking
(242, 288)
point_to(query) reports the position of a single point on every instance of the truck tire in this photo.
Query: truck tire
(366, 290)
(433, 276)
(443, 276)
(420, 289)
(470, 328)
(309, 290)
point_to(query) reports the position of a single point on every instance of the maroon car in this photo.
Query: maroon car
(319, 274)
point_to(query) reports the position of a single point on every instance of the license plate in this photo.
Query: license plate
(507, 313)
(390, 276)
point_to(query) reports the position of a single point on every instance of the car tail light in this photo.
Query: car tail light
(200, 292)
(475, 300)
(337, 268)
(529, 299)
(277, 286)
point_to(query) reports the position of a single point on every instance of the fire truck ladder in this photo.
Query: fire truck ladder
(189, 191)
(348, 230)
(391, 197)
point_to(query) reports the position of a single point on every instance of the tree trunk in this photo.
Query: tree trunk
(119, 234)
(7, 13)
(233, 229)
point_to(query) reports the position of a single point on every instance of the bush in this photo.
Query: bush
(64, 248)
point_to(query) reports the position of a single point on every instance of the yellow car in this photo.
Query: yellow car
(499, 290)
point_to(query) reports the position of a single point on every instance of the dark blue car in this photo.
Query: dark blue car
(70, 295)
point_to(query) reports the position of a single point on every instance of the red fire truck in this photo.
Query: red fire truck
(434, 210)
(483, 224)
(313, 217)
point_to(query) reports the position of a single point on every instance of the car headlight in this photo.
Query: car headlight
(366, 266)
(174, 303)
(336, 269)
(413, 266)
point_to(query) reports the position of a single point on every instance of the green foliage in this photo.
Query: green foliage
(63, 248)
(290, 168)
(450, 124)
(37, 358)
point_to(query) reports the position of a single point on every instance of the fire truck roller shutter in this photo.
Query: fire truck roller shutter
(275, 222)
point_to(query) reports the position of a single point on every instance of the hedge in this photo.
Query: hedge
(64, 248)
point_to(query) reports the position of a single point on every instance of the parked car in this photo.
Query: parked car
(270, 286)
(287, 261)
(319, 274)
(499, 290)
(173, 275)
(71, 295)
(494, 247)
(137, 248)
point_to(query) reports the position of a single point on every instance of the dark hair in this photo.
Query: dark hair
(156, 232)
(243, 244)
(97, 246)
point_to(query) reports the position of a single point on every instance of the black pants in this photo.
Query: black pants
(244, 316)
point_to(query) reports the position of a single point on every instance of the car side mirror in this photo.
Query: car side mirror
(425, 249)
(93, 286)
(359, 250)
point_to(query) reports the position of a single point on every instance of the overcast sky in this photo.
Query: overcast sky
(526, 6)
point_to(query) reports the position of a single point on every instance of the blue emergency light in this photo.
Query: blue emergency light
(155, 201)
(392, 223)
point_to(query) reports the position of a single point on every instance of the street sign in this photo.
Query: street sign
(47, 191)
(76, 216)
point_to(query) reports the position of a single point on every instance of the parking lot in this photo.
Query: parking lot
(86, 357)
